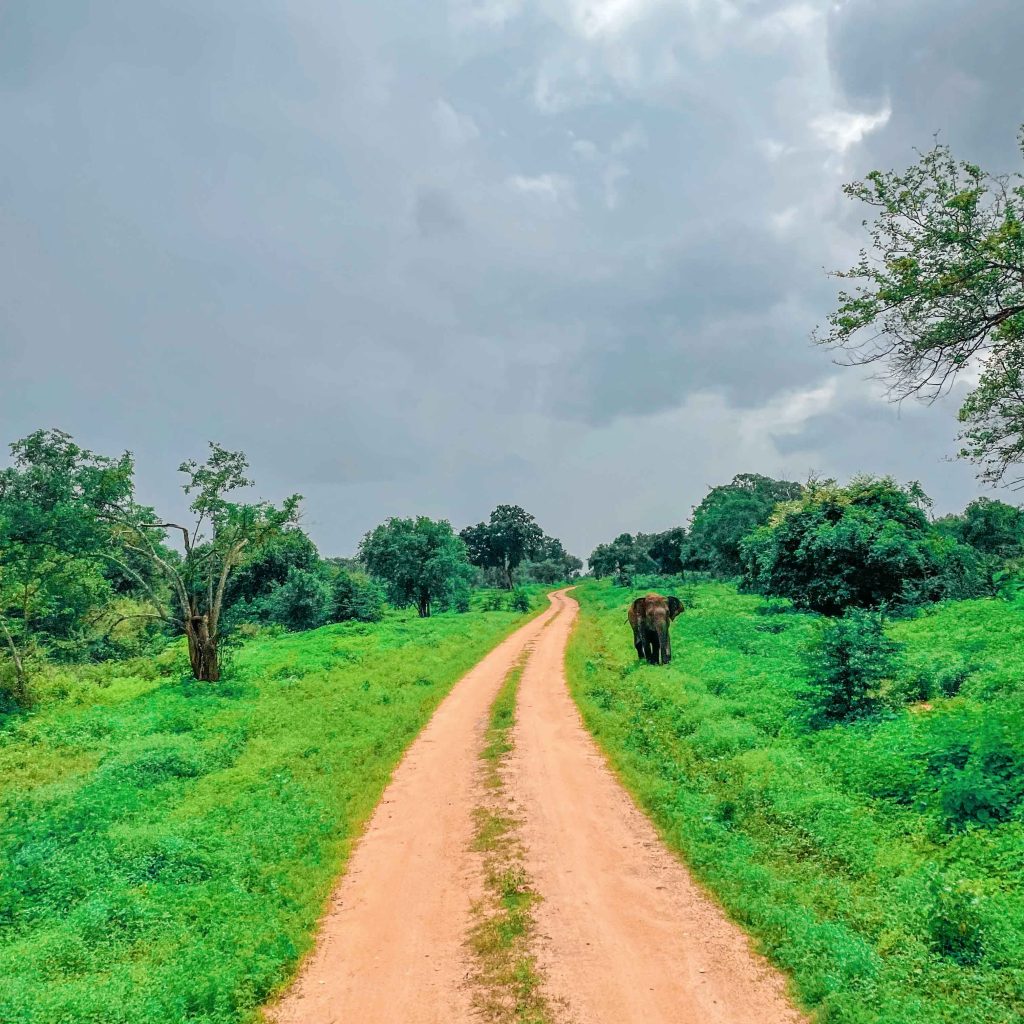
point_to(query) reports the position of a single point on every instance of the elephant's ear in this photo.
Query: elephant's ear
(675, 607)
(638, 607)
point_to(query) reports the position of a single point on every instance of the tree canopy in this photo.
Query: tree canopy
(420, 561)
(729, 513)
(867, 545)
(509, 536)
(941, 289)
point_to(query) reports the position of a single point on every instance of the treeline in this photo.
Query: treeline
(89, 573)
(826, 547)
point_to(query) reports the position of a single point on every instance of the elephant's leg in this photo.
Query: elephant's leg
(638, 643)
(666, 648)
(651, 647)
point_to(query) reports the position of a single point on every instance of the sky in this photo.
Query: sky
(425, 258)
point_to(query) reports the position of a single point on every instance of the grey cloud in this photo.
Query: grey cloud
(424, 258)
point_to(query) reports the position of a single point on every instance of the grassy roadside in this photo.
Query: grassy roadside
(166, 847)
(837, 850)
(507, 987)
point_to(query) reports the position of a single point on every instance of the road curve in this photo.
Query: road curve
(628, 937)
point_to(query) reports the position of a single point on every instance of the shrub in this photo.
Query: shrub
(520, 601)
(303, 601)
(868, 545)
(354, 596)
(494, 601)
(847, 668)
(954, 920)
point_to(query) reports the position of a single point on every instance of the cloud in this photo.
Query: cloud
(430, 258)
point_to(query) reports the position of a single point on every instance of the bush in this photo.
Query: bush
(520, 601)
(303, 601)
(354, 596)
(494, 602)
(868, 545)
(954, 921)
(847, 668)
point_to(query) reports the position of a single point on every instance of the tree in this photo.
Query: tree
(419, 560)
(212, 548)
(550, 563)
(504, 541)
(866, 545)
(303, 601)
(53, 540)
(622, 558)
(665, 549)
(355, 596)
(940, 290)
(264, 568)
(727, 514)
(992, 527)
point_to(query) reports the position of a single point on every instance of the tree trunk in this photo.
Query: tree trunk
(508, 577)
(423, 606)
(202, 649)
(20, 675)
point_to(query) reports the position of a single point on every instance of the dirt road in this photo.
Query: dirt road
(626, 935)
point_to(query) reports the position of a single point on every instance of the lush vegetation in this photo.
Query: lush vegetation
(940, 290)
(867, 545)
(855, 799)
(166, 846)
(511, 547)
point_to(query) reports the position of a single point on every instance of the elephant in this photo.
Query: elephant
(650, 617)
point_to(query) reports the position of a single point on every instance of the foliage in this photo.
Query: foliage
(419, 560)
(509, 536)
(213, 547)
(848, 666)
(303, 601)
(941, 290)
(834, 847)
(549, 563)
(355, 596)
(729, 513)
(166, 849)
(990, 526)
(266, 566)
(622, 558)
(53, 542)
(866, 545)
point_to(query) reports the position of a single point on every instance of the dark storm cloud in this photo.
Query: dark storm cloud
(430, 258)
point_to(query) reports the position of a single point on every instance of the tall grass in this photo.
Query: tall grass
(853, 854)
(166, 846)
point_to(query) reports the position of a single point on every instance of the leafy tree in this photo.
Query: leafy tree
(53, 540)
(848, 666)
(550, 563)
(303, 601)
(355, 596)
(266, 567)
(992, 527)
(665, 549)
(213, 547)
(727, 514)
(942, 289)
(866, 545)
(622, 558)
(420, 561)
(509, 536)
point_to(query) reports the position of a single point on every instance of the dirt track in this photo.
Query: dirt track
(627, 936)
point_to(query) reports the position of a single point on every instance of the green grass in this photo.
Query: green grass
(507, 985)
(857, 855)
(166, 847)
